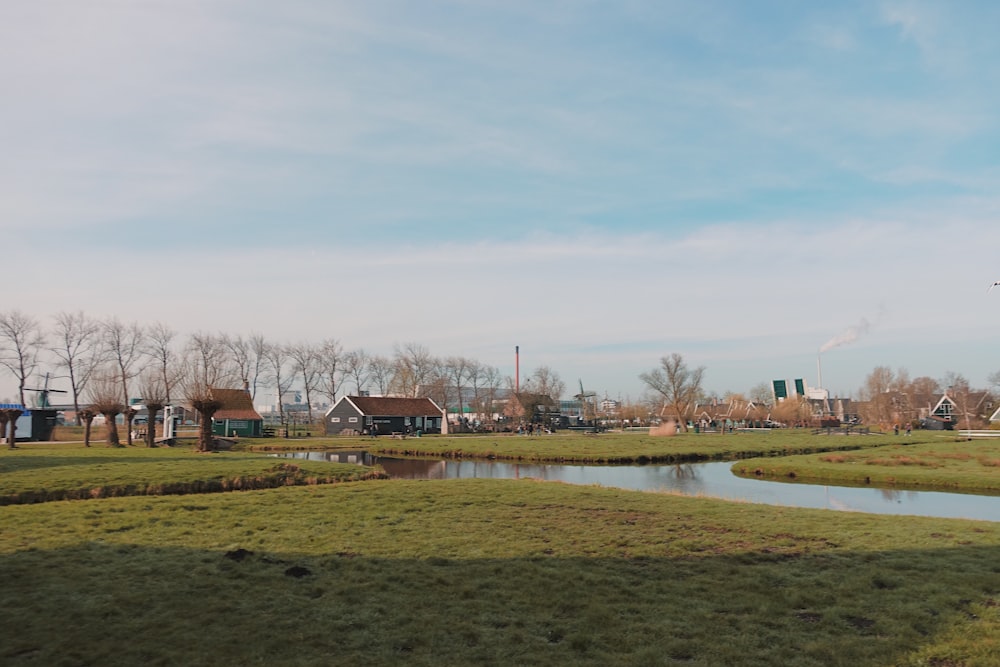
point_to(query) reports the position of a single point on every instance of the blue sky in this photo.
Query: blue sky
(601, 183)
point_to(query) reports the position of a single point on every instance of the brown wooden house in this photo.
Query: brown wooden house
(237, 416)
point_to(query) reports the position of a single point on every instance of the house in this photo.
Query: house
(35, 424)
(357, 415)
(971, 408)
(237, 416)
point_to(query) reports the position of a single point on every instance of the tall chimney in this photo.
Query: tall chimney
(517, 370)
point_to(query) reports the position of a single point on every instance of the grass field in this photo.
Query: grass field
(633, 447)
(967, 466)
(466, 572)
(48, 471)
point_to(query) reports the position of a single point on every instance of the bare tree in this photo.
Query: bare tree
(968, 403)
(677, 385)
(455, 371)
(78, 350)
(330, 360)
(356, 366)
(306, 364)
(21, 345)
(258, 365)
(241, 357)
(105, 399)
(792, 410)
(413, 368)
(160, 348)
(994, 379)
(486, 382)
(546, 381)
(205, 360)
(882, 406)
(761, 394)
(279, 377)
(124, 343)
(380, 371)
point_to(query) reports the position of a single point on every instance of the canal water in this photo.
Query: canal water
(710, 480)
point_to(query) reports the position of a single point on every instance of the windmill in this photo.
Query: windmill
(43, 393)
(584, 397)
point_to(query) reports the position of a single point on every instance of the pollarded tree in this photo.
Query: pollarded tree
(86, 416)
(206, 369)
(155, 399)
(677, 385)
(8, 416)
(202, 399)
(105, 399)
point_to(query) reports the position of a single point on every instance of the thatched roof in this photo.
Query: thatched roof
(236, 404)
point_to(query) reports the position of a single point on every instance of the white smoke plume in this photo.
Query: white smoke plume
(849, 335)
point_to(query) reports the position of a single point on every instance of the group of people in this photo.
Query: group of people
(531, 429)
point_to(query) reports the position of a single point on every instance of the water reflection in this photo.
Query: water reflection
(714, 480)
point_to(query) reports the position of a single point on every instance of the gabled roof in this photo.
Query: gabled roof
(236, 404)
(386, 406)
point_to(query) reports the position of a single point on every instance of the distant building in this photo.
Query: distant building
(357, 415)
(237, 416)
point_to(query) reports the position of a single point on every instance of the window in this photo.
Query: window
(335, 420)
(352, 420)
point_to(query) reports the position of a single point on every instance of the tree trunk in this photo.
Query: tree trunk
(12, 416)
(152, 409)
(129, 418)
(206, 440)
(112, 426)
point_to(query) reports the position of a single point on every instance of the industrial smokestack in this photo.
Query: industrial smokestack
(517, 370)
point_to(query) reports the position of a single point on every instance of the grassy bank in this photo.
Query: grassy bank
(967, 466)
(489, 572)
(38, 472)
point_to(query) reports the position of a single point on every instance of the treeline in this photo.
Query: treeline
(108, 361)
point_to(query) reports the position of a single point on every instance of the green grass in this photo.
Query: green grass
(48, 471)
(494, 572)
(630, 447)
(946, 464)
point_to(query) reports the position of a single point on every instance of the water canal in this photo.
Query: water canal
(710, 480)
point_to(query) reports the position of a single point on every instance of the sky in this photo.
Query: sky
(772, 190)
